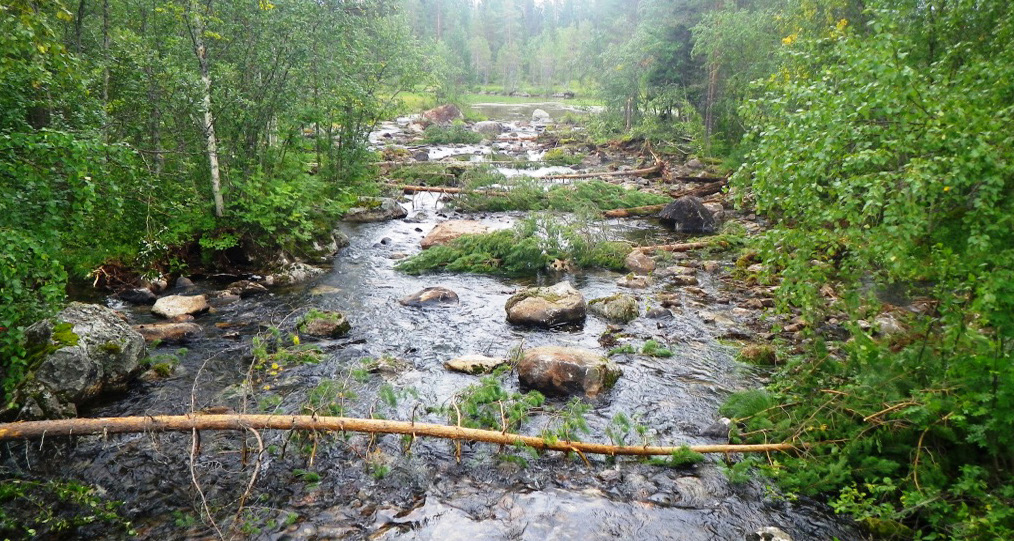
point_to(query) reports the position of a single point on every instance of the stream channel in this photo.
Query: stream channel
(368, 488)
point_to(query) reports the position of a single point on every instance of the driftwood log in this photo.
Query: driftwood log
(685, 247)
(239, 422)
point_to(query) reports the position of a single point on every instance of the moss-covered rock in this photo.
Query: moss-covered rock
(620, 308)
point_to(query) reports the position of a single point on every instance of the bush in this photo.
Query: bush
(456, 133)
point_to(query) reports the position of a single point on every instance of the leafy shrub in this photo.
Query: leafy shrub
(523, 193)
(457, 133)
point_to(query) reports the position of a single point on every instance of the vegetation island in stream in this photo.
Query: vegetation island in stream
(522, 269)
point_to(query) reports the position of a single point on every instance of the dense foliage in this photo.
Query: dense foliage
(882, 151)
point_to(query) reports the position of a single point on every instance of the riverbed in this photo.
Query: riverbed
(361, 487)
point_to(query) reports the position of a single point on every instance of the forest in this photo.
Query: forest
(145, 140)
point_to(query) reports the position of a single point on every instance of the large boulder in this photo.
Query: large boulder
(375, 209)
(445, 232)
(488, 127)
(618, 308)
(547, 306)
(174, 306)
(445, 114)
(169, 332)
(429, 297)
(90, 350)
(638, 262)
(139, 295)
(560, 371)
(688, 215)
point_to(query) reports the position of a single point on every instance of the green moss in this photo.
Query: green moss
(457, 133)
(561, 157)
(759, 354)
(654, 349)
(625, 349)
(681, 457)
(525, 193)
(111, 348)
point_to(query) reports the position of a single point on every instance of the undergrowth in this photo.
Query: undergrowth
(525, 193)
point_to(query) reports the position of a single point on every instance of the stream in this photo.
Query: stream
(369, 488)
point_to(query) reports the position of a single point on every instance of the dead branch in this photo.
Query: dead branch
(703, 190)
(635, 211)
(238, 422)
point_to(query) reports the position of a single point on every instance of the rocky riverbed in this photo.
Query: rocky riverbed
(389, 361)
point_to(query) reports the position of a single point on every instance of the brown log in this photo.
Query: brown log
(685, 247)
(633, 173)
(416, 189)
(237, 422)
(634, 211)
(700, 179)
(703, 190)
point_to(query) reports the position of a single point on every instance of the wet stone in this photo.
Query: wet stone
(169, 332)
(178, 305)
(639, 263)
(562, 371)
(431, 296)
(553, 306)
(474, 364)
(140, 295)
(621, 308)
(446, 232)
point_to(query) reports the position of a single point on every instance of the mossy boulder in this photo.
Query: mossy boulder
(618, 308)
(761, 354)
(553, 306)
(324, 324)
(375, 209)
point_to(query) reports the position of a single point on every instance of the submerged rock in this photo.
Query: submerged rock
(169, 332)
(98, 352)
(429, 297)
(567, 371)
(324, 324)
(621, 308)
(375, 209)
(769, 533)
(475, 364)
(179, 305)
(634, 282)
(446, 232)
(688, 215)
(547, 306)
(246, 288)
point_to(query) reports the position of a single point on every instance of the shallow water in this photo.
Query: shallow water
(428, 494)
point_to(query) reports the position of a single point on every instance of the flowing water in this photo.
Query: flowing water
(370, 488)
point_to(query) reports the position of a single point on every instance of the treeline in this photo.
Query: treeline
(151, 133)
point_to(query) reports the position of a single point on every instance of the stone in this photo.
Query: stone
(683, 280)
(169, 332)
(445, 232)
(178, 305)
(324, 324)
(552, 306)
(246, 288)
(294, 273)
(620, 308)
(421, 156)
(474, 364)
(375, 209)
(445, 114)
(324, 290)
(888, 325)
(634, 282)
(688, 215)
(488, 127)
(139, 295)
(99, 353)
(639, 263)
(429, 297)
(719, 429)
(695, 164)
(539, 115)
(184, 283)
(561, 371)
(769, 533)
(712, 266)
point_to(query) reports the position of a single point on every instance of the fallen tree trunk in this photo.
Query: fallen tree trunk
(431, 189)
(632, 173)
(703, 190)
(685, 247)
(237, 422)
(700, 179)
(635, 211)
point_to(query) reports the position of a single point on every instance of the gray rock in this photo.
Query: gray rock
(184, 283)
(445, 114)
(719, 429)
(375, 209)
(169, 332)
(474, 364)
(888, 325)
(488, 127)
(140, 295)
(421, 156)
(180, 305)
(634, 282)
(246, 288)
(688, 215)
(557, 371)
(539, 115)
(100, 353)
(295, 273)
(429, 297)
(620, 308)
(553, 306)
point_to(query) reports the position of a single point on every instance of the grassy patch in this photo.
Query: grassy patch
(561, 157)
(524, 250)
(524, 193)
(453, 134)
